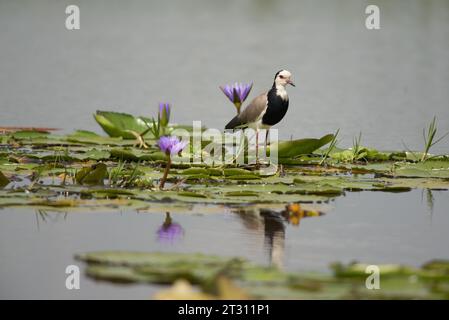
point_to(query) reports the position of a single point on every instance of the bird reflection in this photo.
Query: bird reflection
(430, 200)
(273, 225)
(274, 232)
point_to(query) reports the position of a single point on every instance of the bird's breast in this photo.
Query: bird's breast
(277, 107)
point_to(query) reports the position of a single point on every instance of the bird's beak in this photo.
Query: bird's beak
(291, 83)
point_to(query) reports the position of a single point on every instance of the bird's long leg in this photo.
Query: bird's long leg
(267, 142)
(257, 147)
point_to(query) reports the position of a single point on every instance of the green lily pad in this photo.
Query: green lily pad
(294, 148)
(88, 137)
(426, 169)
(347, 281)
(29, 134)
(215, 172)
(236, 172)
(243, 177)
(198, 177)
(4, 181)
(117, 124)
(195, 171)
(93, 175)
(124, 154)
(191, 194)
(137, 155)
(241, 194)
(92, 154)
(110, 193)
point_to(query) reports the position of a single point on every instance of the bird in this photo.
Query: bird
(265, 110)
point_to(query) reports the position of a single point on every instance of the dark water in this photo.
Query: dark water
(369, 227)
(130, 55)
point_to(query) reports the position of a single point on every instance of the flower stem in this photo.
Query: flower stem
(237, 106)
(164, 177)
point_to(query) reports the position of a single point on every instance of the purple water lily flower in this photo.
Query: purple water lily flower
(170, 231)
(237, 93)
(164, 113)
(171, 146)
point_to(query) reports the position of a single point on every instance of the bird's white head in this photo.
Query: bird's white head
(283, 78)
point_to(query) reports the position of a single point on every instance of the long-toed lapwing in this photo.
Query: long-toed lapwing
(265, 110)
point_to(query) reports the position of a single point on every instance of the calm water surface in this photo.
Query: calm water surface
(369, 227)
(130, 55)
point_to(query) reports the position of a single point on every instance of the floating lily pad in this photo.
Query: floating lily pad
(29, 134)
(117, 124)
(241, 194)
(294, 148)
(195, 171)
(191, 194)
(4, 181)
(426, 169)
(52, 165)
(347, 281)
(93, 175)
(245, 177)
(87, 137)
(236, 172)
(137, 155)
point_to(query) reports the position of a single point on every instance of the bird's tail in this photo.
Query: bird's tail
(235, 122)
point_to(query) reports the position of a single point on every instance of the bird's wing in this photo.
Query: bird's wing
(255, 110)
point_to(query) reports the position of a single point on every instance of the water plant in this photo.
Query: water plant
(132, 178)
(356, 148)
(29, 162)
(429, 138)
(92, 175)
(164, 114)
(237, 93)
(332, 146)
(171, 146)
(4, 181)
(35, 176)
(115, 173)
(156, 128)
(159, 128)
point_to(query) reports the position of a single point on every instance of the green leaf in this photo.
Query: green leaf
(85, 133)
(124, 154)
(88, 137)
(347, 281)
(243, 177)
(241, 194)
(93, 175)
(137, 155)
(195, 171)
(294, 148)
(92, 154)
(3, 180)
(117, 124)
(29, 134)
(191, 194)
(426, 169)
(236, 172)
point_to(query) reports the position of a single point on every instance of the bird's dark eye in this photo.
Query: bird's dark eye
(281, 76)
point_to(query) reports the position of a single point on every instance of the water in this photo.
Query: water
(369, 227)
(128, 56)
